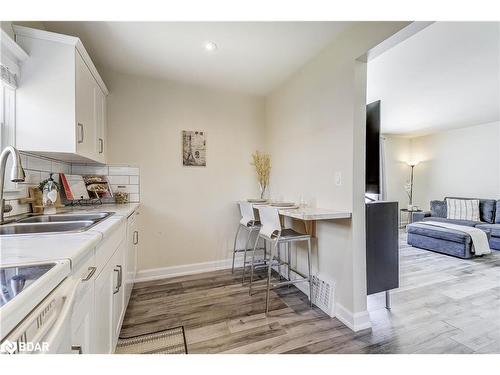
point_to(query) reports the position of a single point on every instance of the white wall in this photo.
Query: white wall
(188, 214)
(397, 155)
(7, 27)
(462, 162)
(314, 128)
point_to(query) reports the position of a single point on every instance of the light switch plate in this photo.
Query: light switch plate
(338, 178)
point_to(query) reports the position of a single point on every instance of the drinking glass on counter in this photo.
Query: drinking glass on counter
(303, 202)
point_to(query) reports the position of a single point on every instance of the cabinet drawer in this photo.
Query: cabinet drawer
(106, 250)
(85, 274)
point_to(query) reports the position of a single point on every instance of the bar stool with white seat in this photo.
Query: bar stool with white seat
(249, 223)
(272, 232)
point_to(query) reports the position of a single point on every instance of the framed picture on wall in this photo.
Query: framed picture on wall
(194, 148)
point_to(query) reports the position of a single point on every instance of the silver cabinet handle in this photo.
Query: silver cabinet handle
(82, 133)
(77, 348)
(136, 237)
(101, 145)
(117, 288)
(120, 275)
(90, 274)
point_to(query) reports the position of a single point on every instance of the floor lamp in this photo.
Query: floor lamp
(412, 164)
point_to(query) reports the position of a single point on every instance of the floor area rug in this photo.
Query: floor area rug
(170, 341)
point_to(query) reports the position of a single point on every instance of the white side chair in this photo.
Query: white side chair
(249, 223)
(272, 232)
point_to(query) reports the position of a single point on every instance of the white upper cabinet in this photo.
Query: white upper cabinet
(100, 119)
(86, 129)
(61, 99)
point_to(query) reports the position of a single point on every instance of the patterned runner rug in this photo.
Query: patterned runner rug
(170, 341)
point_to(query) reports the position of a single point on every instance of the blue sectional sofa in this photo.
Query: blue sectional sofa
(449, 241)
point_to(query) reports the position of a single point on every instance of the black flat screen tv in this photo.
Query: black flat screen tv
(372, 177)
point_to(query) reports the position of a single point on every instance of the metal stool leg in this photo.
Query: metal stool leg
(245, 256)
(269, 268)
(310, 271)
(279, 260)
(253, 262)
(234, 249)
(289, 260)
(265, 250)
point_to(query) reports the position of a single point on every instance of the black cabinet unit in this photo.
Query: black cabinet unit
(382, 246)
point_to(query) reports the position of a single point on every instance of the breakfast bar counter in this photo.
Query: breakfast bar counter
(315, 214)
(309, 215)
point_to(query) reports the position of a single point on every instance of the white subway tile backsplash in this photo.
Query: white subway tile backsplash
(133, 198)
(123, 171)
(89, 169)
(60, 167)
(118, 180)
(39, 168)
(39, 164)
(17, 208)
(32, 177)
(126, 188)
(24, 160)
(133, 171)
(44, 176)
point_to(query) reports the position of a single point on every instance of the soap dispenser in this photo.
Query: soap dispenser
(49, 197)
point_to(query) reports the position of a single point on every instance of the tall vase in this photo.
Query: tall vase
(262, 190)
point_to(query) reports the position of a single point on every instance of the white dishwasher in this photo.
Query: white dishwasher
(46, 328)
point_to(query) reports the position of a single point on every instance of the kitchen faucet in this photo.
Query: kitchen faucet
(16, 175)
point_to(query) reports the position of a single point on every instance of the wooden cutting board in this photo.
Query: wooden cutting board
(36, 200)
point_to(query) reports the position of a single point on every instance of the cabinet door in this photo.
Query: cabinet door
(118, 262)
(82, 324)
(82, 320)
(104, 287)
(100, 116)
(132, 246)
(85, 110)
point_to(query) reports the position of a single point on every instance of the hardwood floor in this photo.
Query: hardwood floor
(444, 305)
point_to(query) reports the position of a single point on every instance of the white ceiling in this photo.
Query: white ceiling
(446, 76)
(252, 57)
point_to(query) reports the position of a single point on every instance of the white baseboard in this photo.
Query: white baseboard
(185, 269)
(355, 321)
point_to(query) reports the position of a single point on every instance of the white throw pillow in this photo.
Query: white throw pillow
(463, 209)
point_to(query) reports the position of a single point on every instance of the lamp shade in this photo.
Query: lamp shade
(413, 163)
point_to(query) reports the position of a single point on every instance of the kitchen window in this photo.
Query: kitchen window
(8, 118)
(11, 58)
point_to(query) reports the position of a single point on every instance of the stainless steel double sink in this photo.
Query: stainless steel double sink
(39, 224)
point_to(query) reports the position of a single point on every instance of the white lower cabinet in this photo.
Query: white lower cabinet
(105, 282)
(119, 305)
(83, 318)
(104, 287)
(132, 249)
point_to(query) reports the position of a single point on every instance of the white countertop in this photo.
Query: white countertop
(67, 249)
(315, 214)
(56, 246)
(308, 213)
(119, 209)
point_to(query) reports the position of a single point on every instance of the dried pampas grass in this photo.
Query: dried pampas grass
(262, 163)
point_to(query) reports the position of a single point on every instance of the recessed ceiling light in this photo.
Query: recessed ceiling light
(210, 46)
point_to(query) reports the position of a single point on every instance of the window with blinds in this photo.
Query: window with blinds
(7, 122)
(7, 77)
